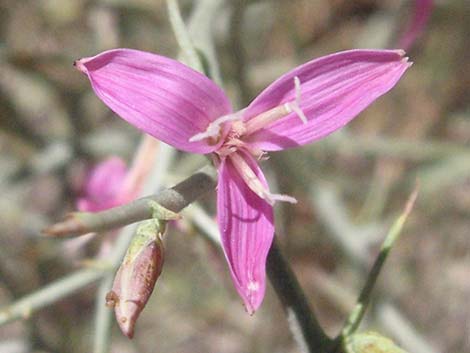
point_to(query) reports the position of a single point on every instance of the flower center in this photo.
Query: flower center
(240, 129)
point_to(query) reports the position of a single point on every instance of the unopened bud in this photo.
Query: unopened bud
(370, 342)
(137, 275)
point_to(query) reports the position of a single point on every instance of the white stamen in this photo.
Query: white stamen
(283, 198)
(295, 105)
(266, 118)
(213, 129)
(254, 183)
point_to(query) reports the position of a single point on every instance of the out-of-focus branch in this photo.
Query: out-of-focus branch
(392, 147)
(174, 199)
(103, 316)
(355, 240)
(179, 28)
(443, 174)
(26, 306)
(201, 30)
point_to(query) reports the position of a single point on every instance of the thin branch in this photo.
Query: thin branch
(302, 321)
(353, 239)
(402, 149)
(174, 199)
(26, 306)
(103, 316)
(201, 30)
(363, 300)
(182, 36)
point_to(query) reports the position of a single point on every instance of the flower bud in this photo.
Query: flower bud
(137, 275)
(370, 342)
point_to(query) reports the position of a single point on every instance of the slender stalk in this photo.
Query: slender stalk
(103, 316)
(363, 300)
(302, 321)
(182, 36)
(26, 306)
(402, 149)
(201, 30)
(174, 199)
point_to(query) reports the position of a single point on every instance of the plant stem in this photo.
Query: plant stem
(182, 36)
(402, 149)
(103, 316)
(302, 321)
(363, 300)
(174, 199)
(51, 293)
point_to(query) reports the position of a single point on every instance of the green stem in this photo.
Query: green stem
(49, 294)
(103, 316)
(302, 321)
(355, 318)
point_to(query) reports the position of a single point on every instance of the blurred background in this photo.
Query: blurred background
(350, 186)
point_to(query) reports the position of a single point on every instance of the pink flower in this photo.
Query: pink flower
(111, 183)
(103, 186)
(185, 109)
(421, 12)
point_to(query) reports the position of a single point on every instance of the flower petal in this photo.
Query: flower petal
(247, 230)
(334, 89)
(158, 95)
(103, 185)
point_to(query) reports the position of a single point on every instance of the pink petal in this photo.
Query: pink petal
(421, 12)
(103, 186)
(247, 230)
(158, 95)
(334, 89)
